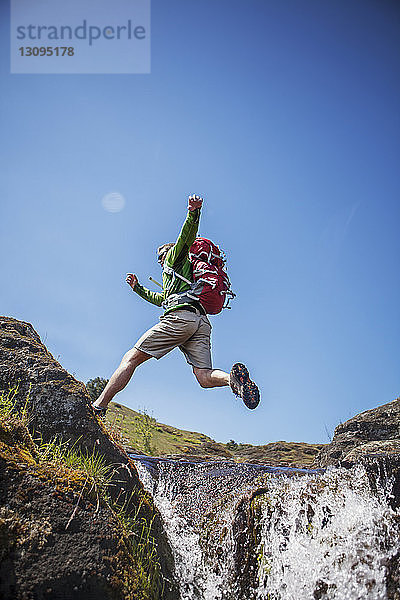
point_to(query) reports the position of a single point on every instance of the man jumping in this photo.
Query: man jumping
(184, 324)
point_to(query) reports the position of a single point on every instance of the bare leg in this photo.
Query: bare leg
(132, 359)
(210, 378)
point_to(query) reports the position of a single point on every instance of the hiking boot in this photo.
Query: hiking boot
(243, 386)
(100, 412)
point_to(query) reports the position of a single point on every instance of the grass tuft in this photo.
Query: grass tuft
(137, 565)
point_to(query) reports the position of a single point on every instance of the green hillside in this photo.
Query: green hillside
(142, 434)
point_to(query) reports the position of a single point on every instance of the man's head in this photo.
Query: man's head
(162, 252)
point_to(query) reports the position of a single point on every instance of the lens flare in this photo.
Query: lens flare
(113, 202)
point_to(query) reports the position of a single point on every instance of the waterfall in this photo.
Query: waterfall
(246, 532)
(325, 537)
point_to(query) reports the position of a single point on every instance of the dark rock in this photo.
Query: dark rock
(377, 424)
(393, 577)
(321, 588)
(41, 558)
(59, 406)
(376, 448)
(244, 529)
(382, 468)
(372, 439)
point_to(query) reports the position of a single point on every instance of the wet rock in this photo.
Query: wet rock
(245, 529)
(372, 439)
(393, 578)
(381, 460)
(321, 588)
(292, 538)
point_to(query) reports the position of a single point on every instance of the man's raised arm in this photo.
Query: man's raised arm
(188, 232)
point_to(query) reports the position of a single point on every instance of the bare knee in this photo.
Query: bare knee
(133, 358)
(203, 377)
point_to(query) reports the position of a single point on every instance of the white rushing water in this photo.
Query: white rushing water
(197, 579)
(325, 537)
(315, 537)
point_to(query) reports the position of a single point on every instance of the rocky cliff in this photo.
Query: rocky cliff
(373, 431)
(371, 439)
(59, 536)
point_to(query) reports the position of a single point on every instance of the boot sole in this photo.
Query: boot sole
(250, 392)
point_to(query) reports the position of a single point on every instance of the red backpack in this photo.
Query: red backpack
(209, 268)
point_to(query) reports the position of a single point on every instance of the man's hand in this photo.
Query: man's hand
(194, 202)
(131, 280)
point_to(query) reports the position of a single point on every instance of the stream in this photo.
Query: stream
(253, 532)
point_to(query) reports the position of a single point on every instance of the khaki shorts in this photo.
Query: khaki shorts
(189, 331)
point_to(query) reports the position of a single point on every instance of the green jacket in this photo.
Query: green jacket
(177, 259)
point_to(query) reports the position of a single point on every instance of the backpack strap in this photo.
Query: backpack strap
(170, 271)
(229, 295)
(207, 257)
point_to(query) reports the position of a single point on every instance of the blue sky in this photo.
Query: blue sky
(284, 116)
